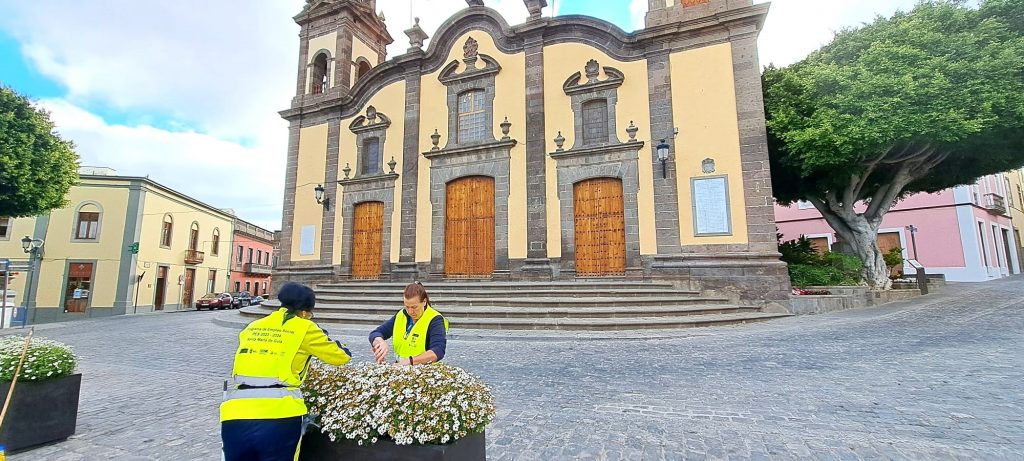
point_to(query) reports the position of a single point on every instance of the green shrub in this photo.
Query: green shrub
(894, 258)
(830, 269)
(798, 251)
(45, 360)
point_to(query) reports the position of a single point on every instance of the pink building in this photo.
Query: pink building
(251, 258)
(964, 232)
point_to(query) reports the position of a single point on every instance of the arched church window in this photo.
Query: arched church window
(362, 68)
(318, 82)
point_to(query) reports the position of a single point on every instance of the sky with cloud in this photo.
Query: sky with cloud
(187, 92)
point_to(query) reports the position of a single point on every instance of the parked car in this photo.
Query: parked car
(258, 300)
(242, 298)
(214, 301)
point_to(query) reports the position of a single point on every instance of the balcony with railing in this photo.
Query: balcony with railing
(257, 269)
(194, 257)
(995, 204)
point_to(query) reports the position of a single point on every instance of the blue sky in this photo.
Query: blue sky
(192, 97)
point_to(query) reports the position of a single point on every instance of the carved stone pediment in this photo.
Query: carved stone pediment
(575, 84)
(373, 120)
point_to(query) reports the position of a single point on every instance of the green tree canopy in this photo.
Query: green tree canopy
(37, 167)
(919, 102)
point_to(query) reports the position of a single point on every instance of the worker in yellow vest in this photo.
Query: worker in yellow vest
(419, 332)
(262, 416)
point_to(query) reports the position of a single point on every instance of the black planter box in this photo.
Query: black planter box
(40, 412)
(316, 446)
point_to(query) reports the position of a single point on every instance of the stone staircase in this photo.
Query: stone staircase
(565, 306)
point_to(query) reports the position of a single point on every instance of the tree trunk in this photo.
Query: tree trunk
(863, 243)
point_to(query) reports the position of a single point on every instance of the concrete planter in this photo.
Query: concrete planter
(846, 297)
(317, 446)
(40, 412)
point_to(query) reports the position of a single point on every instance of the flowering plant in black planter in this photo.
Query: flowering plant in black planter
(433, 404)
(44, 404)
(45, 359)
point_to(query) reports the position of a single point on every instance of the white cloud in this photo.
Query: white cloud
(638, 14)
(795, 28)
(223, 174)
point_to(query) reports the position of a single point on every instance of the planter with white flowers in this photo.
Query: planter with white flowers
(382, 412)
(44, 406)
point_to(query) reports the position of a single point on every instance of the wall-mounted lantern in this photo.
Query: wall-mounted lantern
(325, 201)
(663, 157)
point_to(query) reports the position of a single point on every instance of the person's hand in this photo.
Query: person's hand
(401, 363)
(380, 349)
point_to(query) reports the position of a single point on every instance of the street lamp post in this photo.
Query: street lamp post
(34, 249)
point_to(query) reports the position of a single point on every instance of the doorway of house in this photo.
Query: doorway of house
(161, 288)
(1006, 252)
(189, 288)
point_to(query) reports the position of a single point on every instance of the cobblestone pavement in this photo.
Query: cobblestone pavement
(939, 377)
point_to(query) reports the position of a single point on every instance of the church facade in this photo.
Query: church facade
(556, 149)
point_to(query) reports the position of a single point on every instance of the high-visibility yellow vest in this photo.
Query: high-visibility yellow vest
(263, 384)
(414, 342)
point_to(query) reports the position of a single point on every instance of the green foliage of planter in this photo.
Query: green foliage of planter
(45, 360)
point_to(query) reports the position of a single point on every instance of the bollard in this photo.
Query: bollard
(922, 280)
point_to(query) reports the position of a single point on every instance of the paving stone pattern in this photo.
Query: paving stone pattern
(939, 377)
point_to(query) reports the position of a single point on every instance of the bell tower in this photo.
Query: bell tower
(662, 12)
(340, 41)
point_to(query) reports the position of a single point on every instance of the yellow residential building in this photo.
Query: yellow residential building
(1015, 204)
(88, 265)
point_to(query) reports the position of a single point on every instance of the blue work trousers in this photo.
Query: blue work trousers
(261, 439)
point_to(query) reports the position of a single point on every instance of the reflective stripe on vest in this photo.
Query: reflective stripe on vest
(266, 350)
(414, 342)
(255, 381)
(262, 393)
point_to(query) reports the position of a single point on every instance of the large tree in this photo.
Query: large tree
(37, 167)
(918, 102)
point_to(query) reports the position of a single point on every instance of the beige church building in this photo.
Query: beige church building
(551, 148)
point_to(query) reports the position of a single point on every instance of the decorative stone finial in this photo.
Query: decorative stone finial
(559, 141)
(593, 69)
(535, 7)
(346, 170)
(416, 36)
(392, 164)
(504, 129)
(436, 139)
(471, 50)
(371, 114)
(631, 131)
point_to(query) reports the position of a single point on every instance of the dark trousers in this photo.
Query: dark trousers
(261, 439)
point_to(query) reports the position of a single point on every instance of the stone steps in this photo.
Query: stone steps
(385, 311)
(593, 305)
(517, 301)
(552, 323)
(437, 293)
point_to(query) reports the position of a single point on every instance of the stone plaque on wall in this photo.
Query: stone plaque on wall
(711, 206)
(307, 237)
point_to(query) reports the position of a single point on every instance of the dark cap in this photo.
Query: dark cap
(296, 296)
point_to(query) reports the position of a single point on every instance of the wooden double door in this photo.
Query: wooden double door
(469, 227)
(367, 240)
(600, 227)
